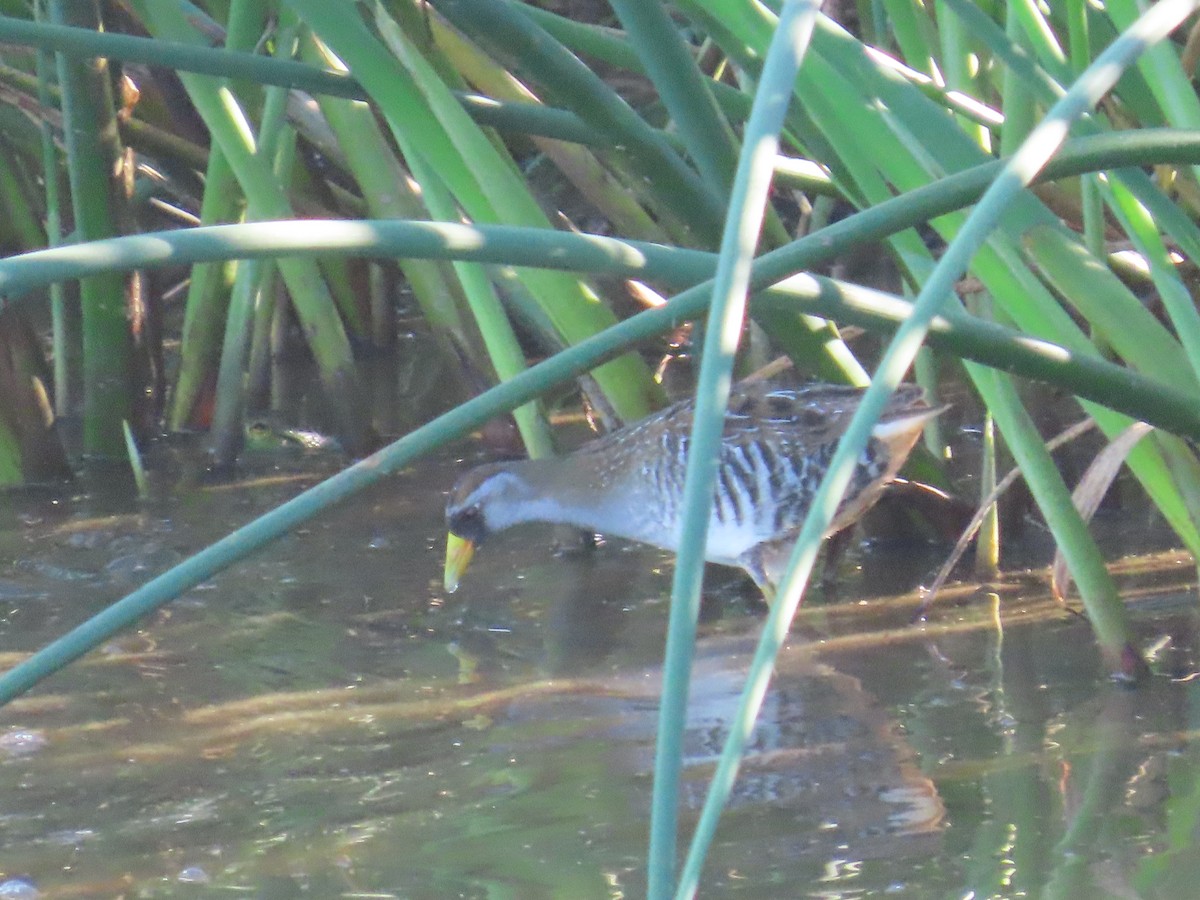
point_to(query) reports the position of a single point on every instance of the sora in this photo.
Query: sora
(776, 446)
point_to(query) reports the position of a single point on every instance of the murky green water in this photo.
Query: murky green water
(322, 721)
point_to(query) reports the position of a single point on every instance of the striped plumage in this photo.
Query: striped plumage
(776, 446)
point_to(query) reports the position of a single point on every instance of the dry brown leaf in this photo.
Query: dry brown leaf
(969, 532)
(1091, 490)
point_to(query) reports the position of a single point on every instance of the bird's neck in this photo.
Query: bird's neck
(558, 492)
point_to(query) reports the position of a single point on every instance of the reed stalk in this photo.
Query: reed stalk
(88, 115)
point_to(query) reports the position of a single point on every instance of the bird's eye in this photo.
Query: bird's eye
(468, 524)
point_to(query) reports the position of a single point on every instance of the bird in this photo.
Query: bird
(776, 445)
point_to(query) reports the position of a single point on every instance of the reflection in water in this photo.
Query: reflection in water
(322, 721)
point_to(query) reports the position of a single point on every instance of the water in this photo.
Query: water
(323, 721)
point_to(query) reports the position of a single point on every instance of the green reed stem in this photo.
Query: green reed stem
(731, 285)
(1108, 619)
(683, 88)
(136, 466)
(227, 431)
(1091, 377)
(1040, 356)
(1104, 382)
(506, 30)
(89, 127)
(323, 329)
(64, 353)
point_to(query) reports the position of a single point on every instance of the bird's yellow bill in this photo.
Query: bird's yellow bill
(458, 556)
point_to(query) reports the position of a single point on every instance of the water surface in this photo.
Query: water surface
(323, 721)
